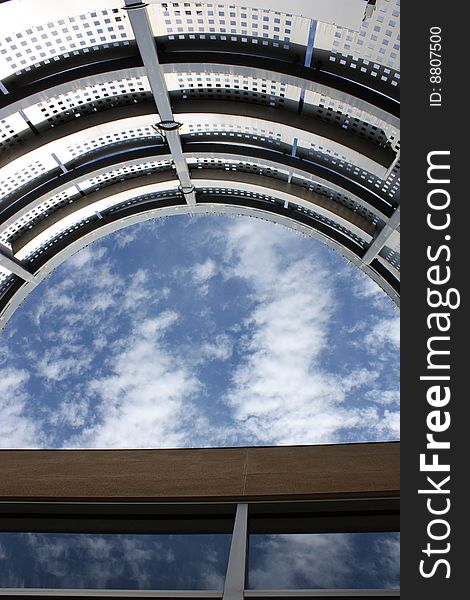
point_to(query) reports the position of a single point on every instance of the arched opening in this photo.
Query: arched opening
(205, 331)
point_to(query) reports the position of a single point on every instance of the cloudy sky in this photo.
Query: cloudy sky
(202, 331)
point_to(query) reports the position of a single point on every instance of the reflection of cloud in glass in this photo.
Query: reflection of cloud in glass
(114, 561)
(341, 560)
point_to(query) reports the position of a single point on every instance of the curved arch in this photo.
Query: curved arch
(23, 289)
(293, 130)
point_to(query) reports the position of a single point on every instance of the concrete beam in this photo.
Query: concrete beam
(198, 475)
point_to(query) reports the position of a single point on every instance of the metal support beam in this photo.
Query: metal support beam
(140, 22)
(236, 569)
(381, 240)
(13, 265)
(396, 160)
(71, 594)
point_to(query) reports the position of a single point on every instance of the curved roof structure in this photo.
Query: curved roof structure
(112, 114)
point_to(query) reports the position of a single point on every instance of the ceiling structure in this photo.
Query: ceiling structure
(113, 114)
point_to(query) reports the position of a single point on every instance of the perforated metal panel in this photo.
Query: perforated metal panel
(195, 18)
(89, 99)
(349, 117)
(233, 126)
(48, 41)
(87, 125)
(11, 129)
(284, 175)
(377, 41)
(79, 145)
(37, 214)
(123, 173)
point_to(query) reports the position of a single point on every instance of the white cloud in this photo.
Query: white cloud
(54, 366)
(102, 560)
(280, 391)
(202, 273)
(385, 331)
(364, 288)
(322, 560)
(89, 254)
(219, 348)
(71, 412)
(332, 561)
(388, 426)
(145, 398)
(384, 397)
(17, 428)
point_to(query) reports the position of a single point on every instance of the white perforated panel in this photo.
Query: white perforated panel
(27, 220)
(53, 107)
(342, 108)
(47, 41)
(378, 39)
(310, 183)
(232, 126)
(23, 170)
(4, 274)
(10, 128)
(82, 215)
(194, 80)
(234, 165)
(124, 173)
(103, 138)
(40, 161)
(196, 18)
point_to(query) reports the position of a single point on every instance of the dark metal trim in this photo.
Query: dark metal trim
(168, 125)
(350, 514)
(186, 192)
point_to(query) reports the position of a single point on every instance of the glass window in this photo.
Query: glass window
(324, 561)
(44, 560)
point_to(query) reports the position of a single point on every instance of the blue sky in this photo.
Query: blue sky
(201, 331)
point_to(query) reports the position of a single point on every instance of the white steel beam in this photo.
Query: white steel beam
(14, 266)
(236, 570)
(381, 240)
(138, 16)
(396, 160)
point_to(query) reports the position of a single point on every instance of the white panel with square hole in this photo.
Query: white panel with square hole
(40, 161)
(4, 274)
(55, 105)
(343, 108)
(237, 165)
(40, 211)
(81, 215)
(229, 127)
(311, 182)
(11, 127)
(23, 170)
(336, 220)
(189, 18)
(123, 173)
(204, 79)
(47, 41)
(378, 39)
